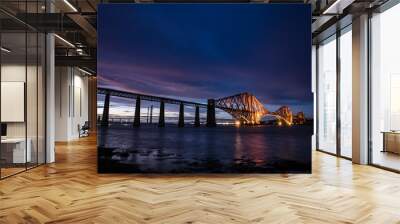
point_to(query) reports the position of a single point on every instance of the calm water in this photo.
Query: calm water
(229, 149)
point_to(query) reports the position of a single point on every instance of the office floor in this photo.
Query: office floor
(70, 191)
(10, 170)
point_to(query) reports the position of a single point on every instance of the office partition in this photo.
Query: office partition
(22, 106)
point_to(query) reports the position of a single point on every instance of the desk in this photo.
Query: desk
(391, 141)
(16, 147)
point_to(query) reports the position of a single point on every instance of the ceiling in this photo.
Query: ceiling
(75, 21)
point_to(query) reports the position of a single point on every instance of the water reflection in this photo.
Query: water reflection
(151, 149)
(238, 145)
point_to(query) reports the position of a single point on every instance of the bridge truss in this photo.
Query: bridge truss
(133, 95)
(246, 108)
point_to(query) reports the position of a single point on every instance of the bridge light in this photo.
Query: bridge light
(237, 123)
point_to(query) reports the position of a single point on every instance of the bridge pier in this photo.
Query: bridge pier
(161, 118)
(211, 113)
(151, 114)
(136, 121)
(181, 122)
(197, 117)
(147, 115)
(106, 111)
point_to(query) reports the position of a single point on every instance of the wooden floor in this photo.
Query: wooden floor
(5, 172)
(70, 191)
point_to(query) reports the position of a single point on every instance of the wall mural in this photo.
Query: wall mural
(204, 88)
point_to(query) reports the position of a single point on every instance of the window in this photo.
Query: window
(327, 95)
(346, 92)
(385, 89)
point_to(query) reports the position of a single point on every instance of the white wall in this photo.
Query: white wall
(12, 73)
(71, 103)
(81, 102)
(62, 82)
(17, 73)
(33, 126)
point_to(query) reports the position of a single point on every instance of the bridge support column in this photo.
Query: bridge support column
(161, 118)
(136, 121)
(147, 115)
(151, 114)
(197, 117)
(211, 113)
(181, 121)
(106, 111)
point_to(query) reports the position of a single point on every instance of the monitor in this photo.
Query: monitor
(3, 129)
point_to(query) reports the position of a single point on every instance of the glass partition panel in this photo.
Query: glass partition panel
(14, 153)
(41, 99)
(327, 95)
(31, 98)
(22, 88)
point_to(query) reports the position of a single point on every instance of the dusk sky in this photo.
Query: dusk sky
(200, 51)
